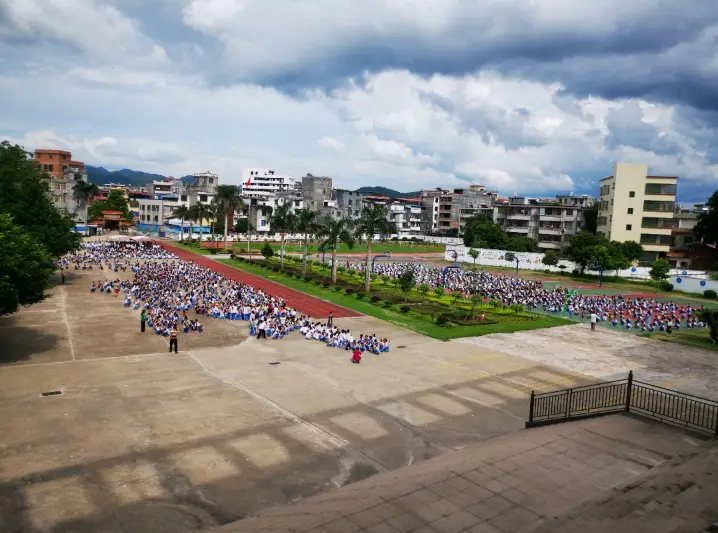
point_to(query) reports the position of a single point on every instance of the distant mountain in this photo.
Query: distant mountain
(391, 193)
(125, 176)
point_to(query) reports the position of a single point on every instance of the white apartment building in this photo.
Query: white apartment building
(634, 206)
(405, 213)
(257, 182)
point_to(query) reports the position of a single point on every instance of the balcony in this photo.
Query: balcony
(518, 216)
(551, 231)
(549, 245)
(524, 230)
(552, 218)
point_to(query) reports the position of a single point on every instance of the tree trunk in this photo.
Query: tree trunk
(87, 230)
(226, 215)
(304, 253)
(367, 276)
(281, 250)
(181, 229)
(334, 265)
(249, 227)
(211, 228)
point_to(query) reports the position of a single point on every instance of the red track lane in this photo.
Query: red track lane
(308, 305)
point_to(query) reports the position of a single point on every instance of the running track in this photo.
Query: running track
(308, 305)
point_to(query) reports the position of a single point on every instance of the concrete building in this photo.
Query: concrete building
(457, 206)
(316, 192)
(635, 206)
(69, 200)
(349, 203)
(59, 165)
(430, 210)
(259, 182)
(205, 181)
(161, 188)
(550, 222)
(405, 213)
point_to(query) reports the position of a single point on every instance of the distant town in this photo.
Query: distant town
(630, 205)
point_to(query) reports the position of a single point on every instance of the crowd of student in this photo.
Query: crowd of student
(165, 292)
(112, 255)
(644, 314)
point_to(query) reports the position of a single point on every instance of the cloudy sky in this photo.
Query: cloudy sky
(530, 96)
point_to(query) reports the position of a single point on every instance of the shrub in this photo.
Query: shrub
(442, 319)
(308, 278)
(213, 251)
(361, 294)
(349, 290)
(375, 299)
(317, 282)
(337, 288)
(341, 269)
(325, 283)
(267, 251)
(709, 293)
(388, 304)
(666, 286)
(405, 308)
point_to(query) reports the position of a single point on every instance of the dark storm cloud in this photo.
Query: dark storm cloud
(627, 128)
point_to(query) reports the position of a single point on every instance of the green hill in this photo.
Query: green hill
(391, 193)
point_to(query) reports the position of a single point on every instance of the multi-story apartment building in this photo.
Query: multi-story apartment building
(204, 181)
(349, 203)
(551, 223)
(430, 210)
(161, 188)
(405, 213)
(260, 182)
(63, 172)
(635, 206)
(317, 194)
(456, 207)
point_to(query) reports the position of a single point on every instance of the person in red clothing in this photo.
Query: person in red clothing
(356, 356)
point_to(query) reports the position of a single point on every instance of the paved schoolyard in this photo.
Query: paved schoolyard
(143, 441)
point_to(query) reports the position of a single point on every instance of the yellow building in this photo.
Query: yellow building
(634, 206)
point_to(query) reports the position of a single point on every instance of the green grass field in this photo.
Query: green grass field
(697, 338)
(422, 322)
(379, 247)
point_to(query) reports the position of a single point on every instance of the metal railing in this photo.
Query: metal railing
(627, 395)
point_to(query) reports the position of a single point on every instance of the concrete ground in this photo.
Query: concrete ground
(143, 441)
(608, 354)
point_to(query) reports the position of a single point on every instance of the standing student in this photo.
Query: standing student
(330, 320)
(594, 319)
(143, 319)
(262, 327)
(173, 338)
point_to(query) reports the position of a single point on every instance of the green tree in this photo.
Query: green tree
(267, 250)
(228, 200)
(115, 201)
(631, 250)
(476, 299)
(83, 191)
(335, 232)
(520, 243)
(282, 221)
(372, 222)
(590, 219)
(474, 254)
(423, 290)
(182, 212)
(580, 250)
(25, 196)
(439, 292)
(706, 228)
(510, 257)
(549, 258)
(200, 213)
(659, 270)
(406, 282)
(25, 267)
(307, 225)
(242, 226)
(481, 232)
(710, 317)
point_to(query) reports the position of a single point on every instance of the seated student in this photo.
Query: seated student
(356, 356)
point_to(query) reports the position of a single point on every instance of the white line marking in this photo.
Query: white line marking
(63, 311)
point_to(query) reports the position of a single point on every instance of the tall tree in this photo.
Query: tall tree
(372, 222)
(590, 219)
(306, 224)
(83, 191)
(25, 195)
(25, 267)
(335, 232)
(115, 201)
(282, 221)
(580, 250)
(481, 232)
(228, 200)
(182, 212)
(706, 228)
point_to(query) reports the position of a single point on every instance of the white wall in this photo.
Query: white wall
(532, 261)
(692, 284)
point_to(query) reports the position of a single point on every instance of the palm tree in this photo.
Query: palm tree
(306, 224)
(213, 212)
(182, 212)
(283, 222)
(334, 232)
(200, 212)
(84, 190)
(228, 199)
(373, 221)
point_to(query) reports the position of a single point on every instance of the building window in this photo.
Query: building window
(632, 194)
(629, 227)
(630, 210)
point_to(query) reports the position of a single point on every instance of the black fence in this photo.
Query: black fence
(627, 395)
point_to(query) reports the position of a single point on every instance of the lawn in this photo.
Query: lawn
(193, 248)
(400, 247)
(422, 313)
(697, 338)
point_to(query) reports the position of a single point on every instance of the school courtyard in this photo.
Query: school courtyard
(105, 431)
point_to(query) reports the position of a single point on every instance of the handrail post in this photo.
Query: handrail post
(629, 390)
(715, 431)
(568, 403)
(531, 408)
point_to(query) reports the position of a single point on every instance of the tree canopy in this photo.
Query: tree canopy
(706, 228)
(482, 232)
(587, 248)
(33, 233)
(115, 201)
